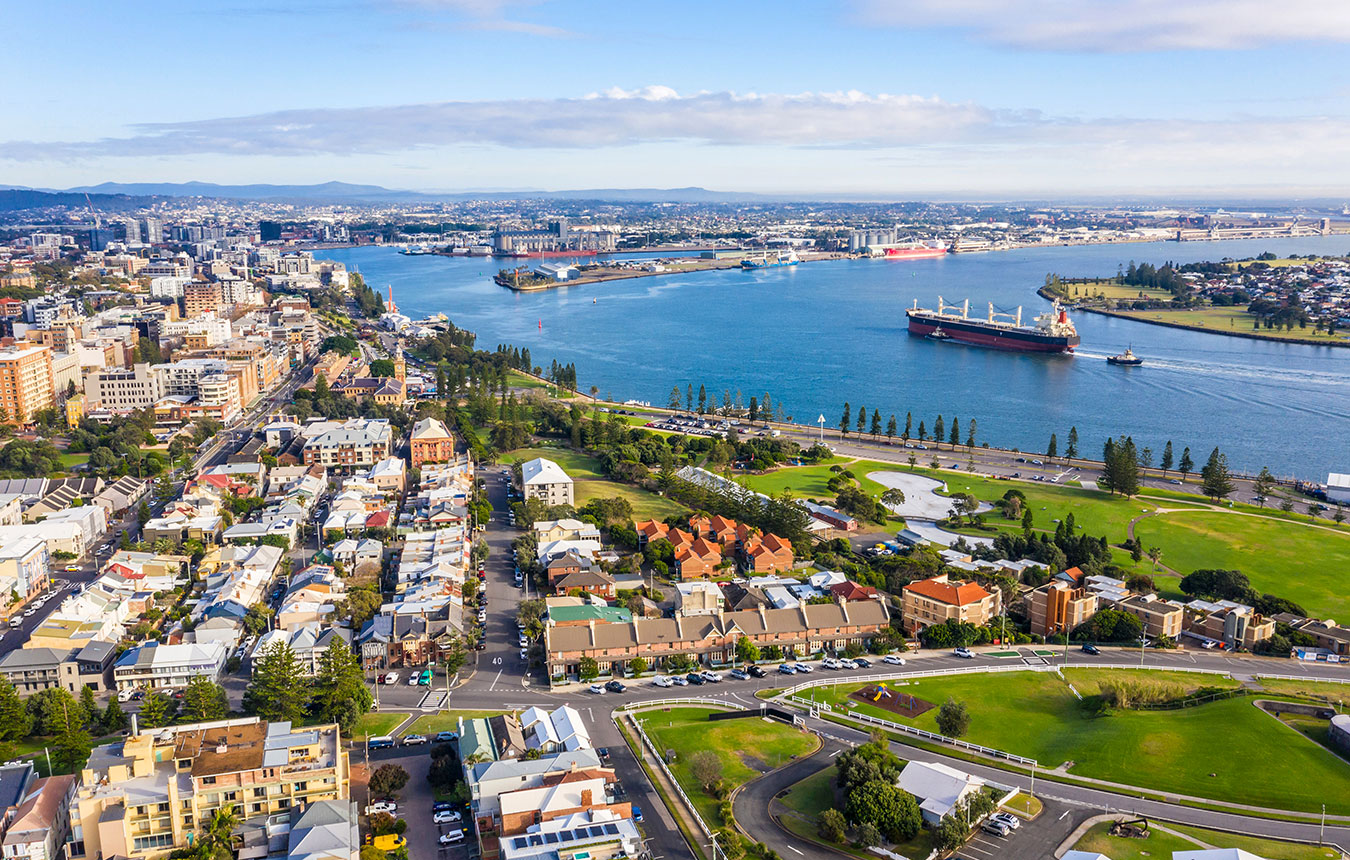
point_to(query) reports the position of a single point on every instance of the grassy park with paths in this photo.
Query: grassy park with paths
(1160, 843)
(745, 748)
(1035, 714)
(815, 794)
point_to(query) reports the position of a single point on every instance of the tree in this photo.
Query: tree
(867, 836)
(114, 719)
(970, 434)
(1186, 466)
(204, 700)
(862, 420)
(278, 690)
(1071, 450)
(844, 420)
(157, 710)
(15, 721)
(953, 720)
(876, 423)
(939, 431)
(1215, 480)
(1263, 486)
(746, 650)
(881, 803)
(1166, 463)
(890, 429)
(952, 831)
(675, 399)
(923, 432)
(706, 769)
(955, 438)
(587, 669)
(1027, 522)
(88, 705)
(1154, 555)
(71, 749)
(909, 425)
(702, 400)
(258, 619)
(689, 398)
(387, 780)
(340, 693)
(1052, 450)
(830, 825)
(893, 497)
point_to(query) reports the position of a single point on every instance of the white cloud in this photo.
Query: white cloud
(1122, 25)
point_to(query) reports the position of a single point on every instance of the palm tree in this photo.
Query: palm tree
(215, 840)
(1154, 553)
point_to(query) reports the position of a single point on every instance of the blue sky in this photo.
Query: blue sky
(975, 98)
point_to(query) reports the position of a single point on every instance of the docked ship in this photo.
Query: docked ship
(1125, 359)
(763, 261)
(918, 251)
(1052, 331)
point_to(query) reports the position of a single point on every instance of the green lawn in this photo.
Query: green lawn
(70, 461)
(1234, 319)
(1157, 846)
(1268, 848)
(1293, 561)
(746, 747)
(579, 466)
(815, 794)
(446, 721)
(374, 725)
(812, 795)
(1323, 691)
(1035, 715)
(646, 505)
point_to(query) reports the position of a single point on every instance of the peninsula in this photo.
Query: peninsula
(551, 275)
(1293, 300)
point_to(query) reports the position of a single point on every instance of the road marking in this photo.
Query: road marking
(1066, 812)
(494, 680)
(835, 753)
(795, 849)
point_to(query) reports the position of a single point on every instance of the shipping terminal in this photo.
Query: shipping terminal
(1052, 331)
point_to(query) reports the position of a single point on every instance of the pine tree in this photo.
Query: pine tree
(689, 398)
(204, 700)
(909, 427)
(890, 429)
(844, 420)
(1186, 466)
(1215, 480)
(876, 423)
(754, 409)
(939, 431)
(955, 438)
(340, 694)
(157, 710)
(1167, 460)
(1071, 450)
(675, 399)
(1127, 468)
(702, 400)
(923, 434)
(1263, 485)
(1109, 465)
(15, 721)
(114, 719)
(1052, 450)
(862, 419)
(278, 690)
(970, 434)
(88, 704)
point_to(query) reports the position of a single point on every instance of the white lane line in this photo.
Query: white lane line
(795, 849)
(494, 680)
(835, 753)
(1066, 812)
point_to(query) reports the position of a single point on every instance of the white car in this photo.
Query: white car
(391, 678)
(125, 695)
(802, 667)
(964, 653)
(679, 680)
(661, 681)
(448, 816)
(831, 663)
(597, 689)
(382, 806)
(413, 679)
(711, 677)
(524, 641)
(893, 660)
(452, 837)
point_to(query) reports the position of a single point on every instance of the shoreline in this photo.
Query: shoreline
(712, 266)
(1301, 341)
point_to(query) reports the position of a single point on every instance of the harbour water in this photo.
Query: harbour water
(818, 334)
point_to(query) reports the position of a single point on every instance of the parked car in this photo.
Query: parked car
(441, 806)
(597, 689)
(661, 681)
(739, 674)
(679, 680)
(446, 737)
(390, 678)
(446, 817)
(615, 687)
(801, 667)
(1007, 818)
(524, 641)
(787, 669)
(964, 653)
(711, 677)
(831, 663)
(382, 742)
(637, 814)
(386, 806)
(125, 695)
(995, 828)
(893, 660)
(862, 662)
(756, 672)
(1089, 648)
(696, 679)
(452, 837)
(414, 740)
(524, 654)
(413, 679)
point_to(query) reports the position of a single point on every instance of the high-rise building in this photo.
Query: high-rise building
(269, 231)
(120, 390)
(200, 297)
(152, 230)
(25, 382)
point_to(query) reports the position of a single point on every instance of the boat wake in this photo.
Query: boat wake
(1236, 371)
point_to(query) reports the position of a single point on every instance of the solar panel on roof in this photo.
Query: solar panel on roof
(535, 841)
(519, 842)
(612, 829)
(579, 834)
(550, 838)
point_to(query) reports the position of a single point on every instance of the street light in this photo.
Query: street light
(821, 422)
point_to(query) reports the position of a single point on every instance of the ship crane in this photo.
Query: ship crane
(1016, 318)
(943, 306)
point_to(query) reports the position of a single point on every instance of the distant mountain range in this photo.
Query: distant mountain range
(347, 192)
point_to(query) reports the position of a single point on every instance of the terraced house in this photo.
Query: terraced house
(144, 796)
(711, 639)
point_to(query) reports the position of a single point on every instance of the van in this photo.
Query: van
(425, 678)
(389, 842)
(380, 743)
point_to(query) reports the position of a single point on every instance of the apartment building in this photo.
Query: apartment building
(153, 666)
(1058, 607)
(1226, 623)
(545, 480)
(150, 793)
(934, 601)
(358, 442)
(122, 391)
(25, 382)
(200, 297)
(1159, 617)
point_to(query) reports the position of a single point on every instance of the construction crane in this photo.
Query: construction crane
(98, 224)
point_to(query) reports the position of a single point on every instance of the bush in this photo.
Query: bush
(953, 720)
(830, 825)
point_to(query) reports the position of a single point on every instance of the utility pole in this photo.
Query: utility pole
(1321, 831)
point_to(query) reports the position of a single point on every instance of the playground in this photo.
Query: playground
(895, 701)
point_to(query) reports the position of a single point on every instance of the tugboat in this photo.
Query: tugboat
(1125, 359)
(938, 334)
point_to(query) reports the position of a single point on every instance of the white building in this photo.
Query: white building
(157, 667)
(937, 787)
(119, 390)
(1338, 488)
(545, 480)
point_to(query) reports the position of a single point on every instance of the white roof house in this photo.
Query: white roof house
(1338, 487)
(1216, 854)
(937, 787)
(541, 471)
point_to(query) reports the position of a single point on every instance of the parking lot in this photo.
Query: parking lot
(415, 805)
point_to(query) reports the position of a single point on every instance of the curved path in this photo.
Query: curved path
(755, 806)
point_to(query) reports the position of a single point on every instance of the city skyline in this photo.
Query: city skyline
(912, 97)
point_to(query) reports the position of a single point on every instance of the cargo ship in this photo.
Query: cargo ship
(925, 251)
(763, 262)
(1052, 331)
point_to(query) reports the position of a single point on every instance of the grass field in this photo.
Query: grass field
(579, 466)
(70, 461)
(446, 721)
(1234, 319)
(746, 748)
(646, 506)
(815, 794)
(1112, 290)
(1035, 715)
(1161, 844)
(374, 725)
(1291, 560)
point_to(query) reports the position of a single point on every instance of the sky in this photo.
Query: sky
(981, 99)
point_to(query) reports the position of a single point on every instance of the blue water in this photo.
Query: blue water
(818, 334)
